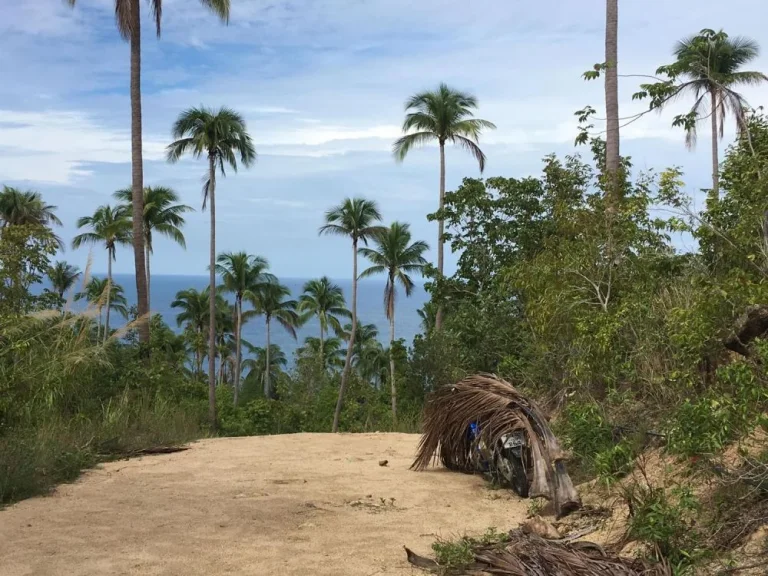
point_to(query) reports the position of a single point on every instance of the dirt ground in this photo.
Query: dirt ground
(307, 504)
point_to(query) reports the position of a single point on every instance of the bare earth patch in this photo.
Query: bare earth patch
(285, 505)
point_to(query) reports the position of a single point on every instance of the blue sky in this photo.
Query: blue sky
(322, 85)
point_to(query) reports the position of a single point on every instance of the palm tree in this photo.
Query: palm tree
(331, 354)
(270, 300)
(325, 300)
(128, 20)
(365, 334)
(241, 274)
(220, 136)
(396, 257)
(709, 64)
(612, 98)
(373, 363)
(19, 207)
(101, 293)
(62, 277)
(194, 313)
(256, 366)
(110, 226)
(163, 215)
(444, 115)
(355, 218)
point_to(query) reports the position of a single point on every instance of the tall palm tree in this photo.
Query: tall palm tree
(355, 218)
(241, 274)
(128, 20)
(395, 256)
(709, 65)
(110, 227)
(162, 214)
(101, 293)
(443, 115)
(19, 207)
(62, 277)
(365, 334)
(194, 313)
(270, 300)
(325, 300)
(220, 136)
(612, 98)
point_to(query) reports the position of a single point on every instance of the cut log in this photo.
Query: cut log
(749, 326)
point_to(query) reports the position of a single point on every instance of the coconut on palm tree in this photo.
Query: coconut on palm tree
(354, 218)
(162, 214)
(709, 65)
(324, 300)
(101, 293)
(62, 277)
(397, 257)
(241, 275)
(443, 116)
(194, 314)
(128, 20)
(108, 226)
(220, 136)
(271, 301)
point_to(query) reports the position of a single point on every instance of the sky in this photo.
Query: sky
(322, 85)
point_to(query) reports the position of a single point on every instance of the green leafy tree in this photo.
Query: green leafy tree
(324, 300)
(220, 136)
(443, 115)
(128, 21)
(397, 257)
(162, 215)
(108, 226)
(243, 275)
(270, 301)
(25, 254)
(62, 277)
(102, 294)
(355, 218)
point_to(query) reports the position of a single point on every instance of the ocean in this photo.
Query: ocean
(370, 308)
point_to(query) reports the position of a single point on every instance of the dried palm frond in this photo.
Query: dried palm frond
(528, 554)
(498, 409)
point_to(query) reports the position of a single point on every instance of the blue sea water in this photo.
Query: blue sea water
(370, 308)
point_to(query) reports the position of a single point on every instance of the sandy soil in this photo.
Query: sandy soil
(284, 505)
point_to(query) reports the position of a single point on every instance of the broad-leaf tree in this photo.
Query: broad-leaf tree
(324, 300)
(356, 219)
(444, 116)
(163, 215)
(396, 256)
(110, 227)
(219, 136)
(128, 20)
(241, 274)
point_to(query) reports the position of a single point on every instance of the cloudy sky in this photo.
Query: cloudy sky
(322, 85)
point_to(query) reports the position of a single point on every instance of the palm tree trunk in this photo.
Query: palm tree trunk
(198, 353)
(238, 340)
(715, 161)
(440, 231)
(212, 307)
(322, 342)
(149, 282)
(137, 179)
(267, 385)
(350, 344)
(612, 162)
(391, 354)
(109, 293)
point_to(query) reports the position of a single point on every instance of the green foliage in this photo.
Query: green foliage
(25, 253)
(457, 554)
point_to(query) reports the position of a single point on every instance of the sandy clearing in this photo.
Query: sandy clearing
(285, 505)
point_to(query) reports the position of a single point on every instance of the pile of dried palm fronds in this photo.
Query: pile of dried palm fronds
(530, 555)
(498, 409)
